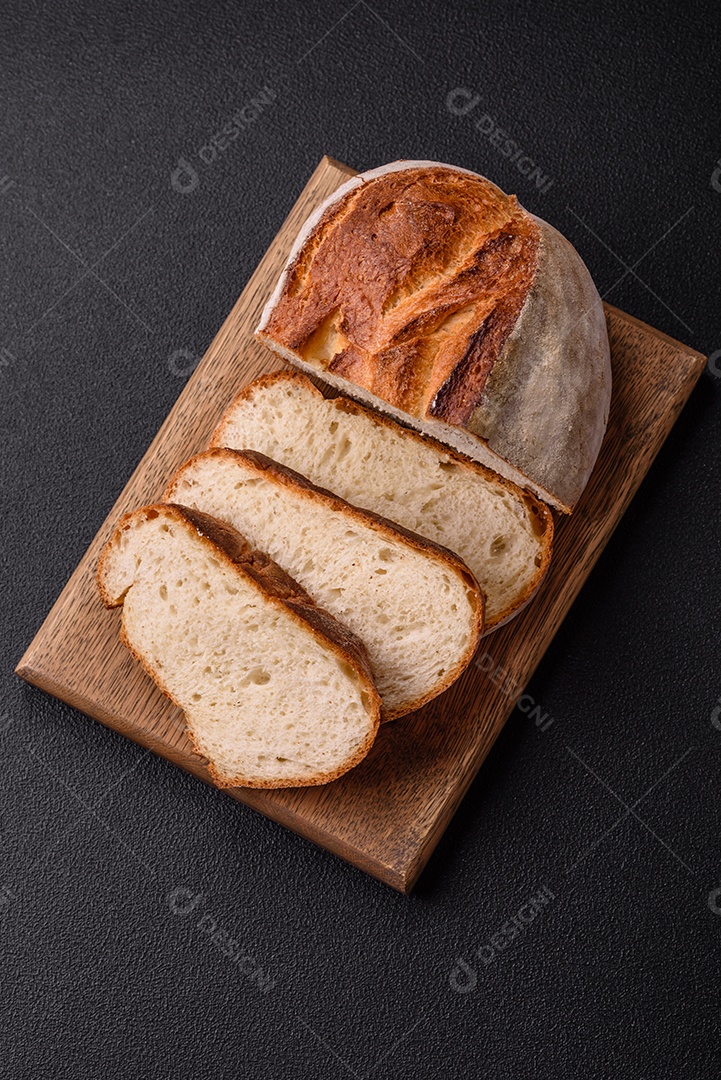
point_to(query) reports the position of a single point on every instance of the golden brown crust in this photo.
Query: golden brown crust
(281, 474)
(256, 563)
(409, 286)
(107, 598)
(279, 589)
(518, 377)
(539, 510)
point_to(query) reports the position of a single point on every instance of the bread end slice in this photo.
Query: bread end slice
(275, 691)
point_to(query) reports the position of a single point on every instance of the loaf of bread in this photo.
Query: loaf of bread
(414, 605)
(503, 534)
(276, 693)
(425, 291)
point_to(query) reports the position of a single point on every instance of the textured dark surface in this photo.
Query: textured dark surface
(103, 973)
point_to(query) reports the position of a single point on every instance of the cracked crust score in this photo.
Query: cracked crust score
(424, 290)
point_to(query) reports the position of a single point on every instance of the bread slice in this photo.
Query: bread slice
(276, 693)
(502, 533)
(416, 606)
(423, 290)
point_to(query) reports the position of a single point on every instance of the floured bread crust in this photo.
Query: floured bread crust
(426, 291)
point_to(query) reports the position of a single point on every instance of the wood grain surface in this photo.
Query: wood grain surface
(387, 815)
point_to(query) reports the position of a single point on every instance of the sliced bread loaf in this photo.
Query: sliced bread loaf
(502, 533)
(416, 606)
(276, 693)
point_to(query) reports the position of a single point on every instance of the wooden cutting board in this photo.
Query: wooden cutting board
(387, 815)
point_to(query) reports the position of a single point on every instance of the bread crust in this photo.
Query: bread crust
(278, 589)
(538, 509)
(400, 295)
(432, 358)
(562, 320)
(285, 477)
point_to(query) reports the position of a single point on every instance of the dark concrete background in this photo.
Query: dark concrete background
(150, 926)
